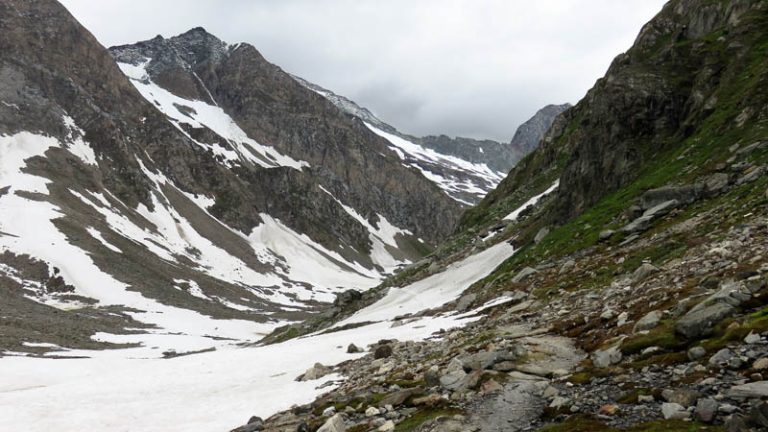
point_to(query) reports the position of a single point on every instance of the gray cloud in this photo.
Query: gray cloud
(474, 68)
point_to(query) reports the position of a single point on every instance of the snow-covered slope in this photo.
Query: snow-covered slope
(212, 391)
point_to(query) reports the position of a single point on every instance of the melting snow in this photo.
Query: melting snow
(531, 202)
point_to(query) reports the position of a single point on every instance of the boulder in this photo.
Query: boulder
(716, 183)
(400, 396)
(721, 357)
(372, 411)
(706, 409)
(681, 194)
(540, 235)
(649, 321)
(683, 397)
(382, 351)
(644, 222)
(674, 411)
(480, 360)
(352, 349)
(699, 322)
(606, 234)
(604, 358)
(757, 389)
(465, 302)
(696, 353)
(523, 274)
(333, 424)
(315, 372)
(643, 272)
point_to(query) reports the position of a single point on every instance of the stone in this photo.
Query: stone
(465, 302)
(607, 315)
(254, 424)
(644, 222)
(388, 426)
(315, 372)
(608, 409)
(642, 272)
(716, 183)
(698, 323)
(352, 349)
(505, 366)
(523, 274)
(382, 351)
(758, 415)
(682, 194)
(604, 358)
(706, 409)
(567, 266)
(400, 396)
(649, 321)
(329, 411)
(490, 386)
(622, 319)
(682, 397)
(333, 424)
(674, 411)
(480, 360)
(756, 389)
(372, 411)
(696, 353)
(540, 235)
(645, 398)
(721, 357)
(752, 338)
(432, 377)
(736, 423)
(605, 234)
(559, 402)
(760, 364)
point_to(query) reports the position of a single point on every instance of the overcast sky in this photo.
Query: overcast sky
(473, 68)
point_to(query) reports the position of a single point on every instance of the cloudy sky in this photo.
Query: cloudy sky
(473, 68)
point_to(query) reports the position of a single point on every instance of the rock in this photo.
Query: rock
(706, 408)
(758, 415)
(736, 423)
(540, 235)
(604, 358)
(490, 386)
(333, 424)
(430, 400)
(453, 375)
(523, 274)
(607, 315)
(643, 272)
(315, 372)
(751, 175)
(682, 397)
(432, 377)
(372, 411)
(760, 364)
(716, 183)
(674, 411)
(608, 409)
(480, 360)
(559, 402)
(254, 424)
(644, 222)
(331, 410)
(302, 427)
(382, 351)
(698, 323)
(388, 426)
(645, 398)
(622, 319)
(346, 297)
(649, 321)
(465, 302)
(400, 396)
(606, 234)
(756, 389)
(567, 266)
(696, 353)
(352, 349)
(680, 194)
(721, 357)
(752, 338)
(505, 366)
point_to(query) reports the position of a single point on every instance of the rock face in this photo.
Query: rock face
(195, 175)
(528, 135)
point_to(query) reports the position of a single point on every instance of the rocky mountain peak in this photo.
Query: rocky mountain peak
(528, 135)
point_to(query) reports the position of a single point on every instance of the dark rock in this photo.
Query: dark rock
(758, 415)
(399, 397)
(382, 351)
(352, 349)
(698, 323)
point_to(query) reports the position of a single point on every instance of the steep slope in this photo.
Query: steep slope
(465, 168)
(201, 216)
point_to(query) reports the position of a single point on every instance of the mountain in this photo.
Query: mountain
(528, 135)
(184, 189)
(465, 168)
